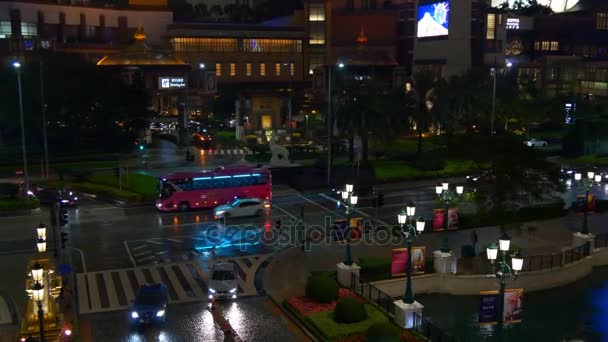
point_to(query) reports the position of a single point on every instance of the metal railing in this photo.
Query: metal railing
(479, 265)
(372, 294)
(431, 331)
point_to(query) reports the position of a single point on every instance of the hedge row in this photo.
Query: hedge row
(18, 204)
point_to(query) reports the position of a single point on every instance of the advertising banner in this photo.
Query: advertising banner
(433, 19)
(512, 309)
(399, 261)
(579, 204)
(439, 219)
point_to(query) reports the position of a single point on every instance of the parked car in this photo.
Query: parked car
(535, 143)
(243, 207)
(49, 196)
(150, 304)
(223, 282)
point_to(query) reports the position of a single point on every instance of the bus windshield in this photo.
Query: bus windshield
(165, 190)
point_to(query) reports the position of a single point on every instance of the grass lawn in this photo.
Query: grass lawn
(408, 145)
(331, 330)
(392, 170)
(7, 204)
(589, 159)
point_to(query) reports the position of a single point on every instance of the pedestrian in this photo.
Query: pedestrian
(277, 224)
(302, 213)
(474, 240)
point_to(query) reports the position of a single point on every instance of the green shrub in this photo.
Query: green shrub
(383, 332)
(9, 189)
(321, 289)
(349, 310)
(330, 330)
(429, 163)
(375, 268)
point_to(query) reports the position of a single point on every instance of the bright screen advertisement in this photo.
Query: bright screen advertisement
(433, 19)
(171, 82)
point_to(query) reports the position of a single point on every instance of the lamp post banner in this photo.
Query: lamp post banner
(579, 204)
(488, 304)
(399, 261)
(439, 219)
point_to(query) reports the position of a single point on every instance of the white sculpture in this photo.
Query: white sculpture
(280, 155)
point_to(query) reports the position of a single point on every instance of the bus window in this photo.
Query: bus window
(166, 190)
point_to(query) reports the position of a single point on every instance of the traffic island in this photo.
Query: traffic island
(19, 207)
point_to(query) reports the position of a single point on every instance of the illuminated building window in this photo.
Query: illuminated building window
(491, 26)
(316, 22)
(248, 69)
(317, 12)
(292, 69)
(218, 69)
(271, 45)
(277, 69)
(5, 29)
(602, 21)
(232, 69)
(204, 44)
(554, 46)
(544, 45)
(262, 69)
(499, 19)
(29, 29)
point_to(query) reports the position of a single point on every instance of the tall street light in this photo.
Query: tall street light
(447, 197)
(493, 72)
(350, 201)
(38, 296)
(340, 65)
(587, 184)
(502, 270)
(26, 181)
(411, 228)
(44, 123)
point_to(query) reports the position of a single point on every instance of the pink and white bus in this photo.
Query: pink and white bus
(208, 189)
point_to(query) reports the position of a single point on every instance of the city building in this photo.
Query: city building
(261, 64)
(29, 26)
(566, 54)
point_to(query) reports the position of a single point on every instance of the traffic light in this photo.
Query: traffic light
(380, 199)
(141, 147)
(63, 218)
(64, 239)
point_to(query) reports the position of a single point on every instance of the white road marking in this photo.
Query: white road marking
(285, 211)
(163, 252)
(175, 240)
(142, 253)
(139, 247)
(129, 253)
(147, 258)
(322, 207)
(154, 242)
(356, 210)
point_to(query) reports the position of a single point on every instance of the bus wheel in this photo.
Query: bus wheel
(183, 206)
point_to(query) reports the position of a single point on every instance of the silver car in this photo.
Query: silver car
(243, 207)
(223, 282)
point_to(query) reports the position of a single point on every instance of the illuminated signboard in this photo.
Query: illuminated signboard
(433, 19)
(171, 82)
(512, 23)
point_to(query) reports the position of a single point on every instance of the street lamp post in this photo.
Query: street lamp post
(587, 184)
(405, 218)
(26, 181)
(329, 128)
(502, 270)
(448, 197)
(38, 296)
(350, 201)
(493, 71)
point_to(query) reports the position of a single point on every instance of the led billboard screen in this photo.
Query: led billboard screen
(433, 19)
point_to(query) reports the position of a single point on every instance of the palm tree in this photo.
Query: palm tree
(423, 83)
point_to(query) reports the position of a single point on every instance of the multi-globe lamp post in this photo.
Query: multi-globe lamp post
(447, 197)
(502, 270)
(41, 241)
(587, 183)
(38, 294)
(340, 66)
(350, 201)
(411, 228)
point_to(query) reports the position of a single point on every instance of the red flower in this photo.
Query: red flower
(306, 306)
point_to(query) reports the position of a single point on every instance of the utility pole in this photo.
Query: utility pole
(329, 124)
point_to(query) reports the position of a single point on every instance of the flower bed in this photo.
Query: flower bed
(305, 306)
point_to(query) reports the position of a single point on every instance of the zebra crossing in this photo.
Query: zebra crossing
(113, 290)
(225, 152)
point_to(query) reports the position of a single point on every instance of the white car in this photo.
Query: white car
(223, 282)
(242, 207)
(535, 143)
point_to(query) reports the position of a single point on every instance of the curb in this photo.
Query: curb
(292, 318)
(25, 212)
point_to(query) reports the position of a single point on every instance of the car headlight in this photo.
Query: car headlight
(160, 313)
(64, 201)
(211, 290)
(134, 314)
(70, 193)
(233, 291)
(75, 198)
(219, 212)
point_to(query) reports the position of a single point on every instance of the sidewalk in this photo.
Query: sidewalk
(287, 272)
